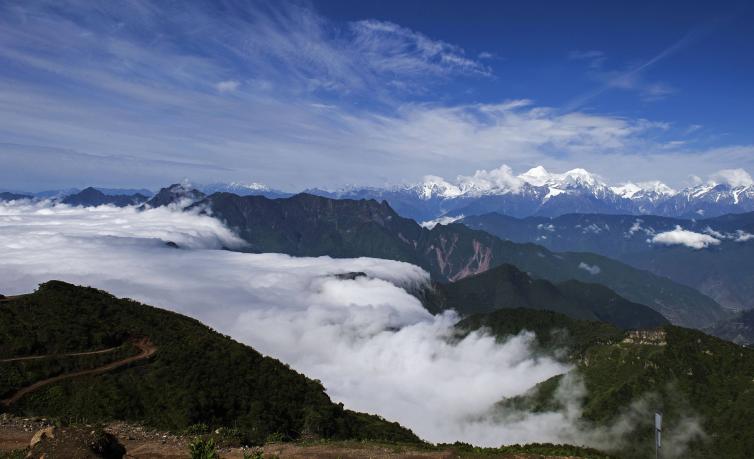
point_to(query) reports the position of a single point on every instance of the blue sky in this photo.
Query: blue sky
(330, 93)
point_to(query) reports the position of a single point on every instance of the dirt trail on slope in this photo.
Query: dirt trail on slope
(4, 298)
(73, 354)
(145, 346)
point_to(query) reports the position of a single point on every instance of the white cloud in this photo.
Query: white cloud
(680, 236)
(390, 48)
(714, 233)
(445, 220)
(146, 105)
(632, 78)
(373, 345)
(636, 227)
(743, 236)
(620, 433)
(591, 269)
(499, 180)
(549, 227)
(227, 86)
(733, 177)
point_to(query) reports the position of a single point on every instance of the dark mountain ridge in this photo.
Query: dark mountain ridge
(178, 193)
(723, 270)
(194, 376)
(506, 287)
(94, 197)
(8, 196)
(308, 225)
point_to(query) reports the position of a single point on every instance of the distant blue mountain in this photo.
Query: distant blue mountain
(713, 255)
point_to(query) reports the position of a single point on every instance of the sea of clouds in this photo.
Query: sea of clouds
(371, 343)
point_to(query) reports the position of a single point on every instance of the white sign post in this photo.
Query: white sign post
(658, 434)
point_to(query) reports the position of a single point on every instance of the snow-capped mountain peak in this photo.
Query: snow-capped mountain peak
(490, 182)
(652, 190)
(538, 191)
(239, 188)
(434, 186)
(537, 176)
(627, 190)
(574, 178)
(579, 178)
(255, 186)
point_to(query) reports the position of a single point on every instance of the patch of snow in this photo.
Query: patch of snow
(434, 186)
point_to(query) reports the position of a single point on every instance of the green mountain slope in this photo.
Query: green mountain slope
(552, 330)
(307, 225)
(724, 271)
(195, 376)
(507, 287)
(684, 373)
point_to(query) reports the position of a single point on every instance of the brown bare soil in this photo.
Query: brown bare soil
(144, 443)
(73, 354)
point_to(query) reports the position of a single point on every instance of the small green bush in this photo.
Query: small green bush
(203, 449)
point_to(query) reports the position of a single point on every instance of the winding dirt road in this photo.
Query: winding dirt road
(52, 356)
(145, 346)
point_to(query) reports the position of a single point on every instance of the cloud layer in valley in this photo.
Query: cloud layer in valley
(371, 343)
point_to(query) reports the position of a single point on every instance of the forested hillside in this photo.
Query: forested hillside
(195, 376)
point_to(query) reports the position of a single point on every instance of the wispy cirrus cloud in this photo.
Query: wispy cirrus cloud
(143, 93)
(634, 76)
(392, 49)
(227, 86)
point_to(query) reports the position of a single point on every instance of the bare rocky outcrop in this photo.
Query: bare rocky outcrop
(78, 442)
(47, 432)
(650, 337)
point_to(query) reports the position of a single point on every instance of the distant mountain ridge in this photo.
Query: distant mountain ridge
(506, 287)
(308, 225)
(8, 196)
(714, 255)
(181, 194)
(536, 192)
(94, 197)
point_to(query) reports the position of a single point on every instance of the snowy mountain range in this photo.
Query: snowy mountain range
(538, 192)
